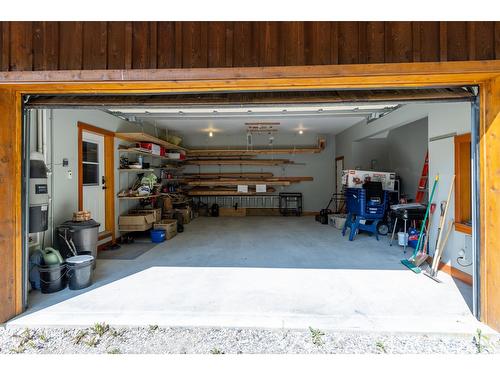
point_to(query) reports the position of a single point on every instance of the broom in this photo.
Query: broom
(422, 255)
(410, 262)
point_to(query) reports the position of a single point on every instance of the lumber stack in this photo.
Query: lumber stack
(221, 191)
(261, 162)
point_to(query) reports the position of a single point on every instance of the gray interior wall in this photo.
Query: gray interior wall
(443, 118)
(321, 167)
(62, 142)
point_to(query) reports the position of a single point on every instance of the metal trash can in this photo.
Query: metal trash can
(83, 234)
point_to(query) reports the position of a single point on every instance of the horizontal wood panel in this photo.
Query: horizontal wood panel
(150, 45)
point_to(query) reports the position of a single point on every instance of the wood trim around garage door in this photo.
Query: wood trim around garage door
(485, 74)
(109, 171)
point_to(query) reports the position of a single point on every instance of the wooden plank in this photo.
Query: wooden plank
(497, 40)
(128, 45)
(429, 41)
(489, 144)
(220, 192)
(153, 45)
(374, 42)
(398, 42)
(140, 45)
(194, 44)
(443, 41)
(95, 45)
(246, 48)
(457, 41)
(269, 42)
(348, 43)
(143, 137)
(334, 38)
(240, 162)
(4, 46)
(484, 40)
(45, 45)
(292, 43)
(471, 40)
(21, 43)
(317, 43)
(216, 152)
(166, 45)
(417, 37)
(10, 205)
(116, 45)
(231, 212)
(217, 44)
(70, 45)
(228, 174)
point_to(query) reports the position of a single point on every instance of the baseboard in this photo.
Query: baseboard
(454, 272)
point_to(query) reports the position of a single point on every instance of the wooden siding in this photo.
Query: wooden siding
(149, 45)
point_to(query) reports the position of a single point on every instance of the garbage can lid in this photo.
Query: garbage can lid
(77, 225)
(79, 259)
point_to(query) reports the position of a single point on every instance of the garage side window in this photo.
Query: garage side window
(90, 163)
(463, 200)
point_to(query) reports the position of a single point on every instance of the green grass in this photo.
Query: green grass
(100, 328)
(216, 351)
(380, 346)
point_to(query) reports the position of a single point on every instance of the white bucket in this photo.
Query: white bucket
(340, 222)
(402, 239)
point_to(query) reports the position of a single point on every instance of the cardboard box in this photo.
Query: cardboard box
(135, 222)
(167, 203)
(186, 213)
(169, 226)
(353, 178)
(230, 211)
(155, 211)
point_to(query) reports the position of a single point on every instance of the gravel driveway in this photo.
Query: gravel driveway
(102, 338)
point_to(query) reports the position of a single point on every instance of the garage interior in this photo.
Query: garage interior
(237, 187)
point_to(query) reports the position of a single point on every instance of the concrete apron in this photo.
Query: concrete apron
(217, 275)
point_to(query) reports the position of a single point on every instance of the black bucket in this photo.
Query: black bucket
(80, 271)
(53, 278)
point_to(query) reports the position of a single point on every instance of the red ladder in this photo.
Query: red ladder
(422, 183)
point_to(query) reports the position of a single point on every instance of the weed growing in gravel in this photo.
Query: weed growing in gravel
(380, 346)
(115, 333)
(79, 336)
(316, 336)
(100, 328)
(43, 338)
(482, 342)
(92, 342)
(114, 351)
(216, 351)
(153, 327)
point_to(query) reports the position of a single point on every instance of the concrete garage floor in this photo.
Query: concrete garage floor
(272, 272)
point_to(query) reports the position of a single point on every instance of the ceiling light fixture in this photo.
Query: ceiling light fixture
(210, 134)
(301, 132)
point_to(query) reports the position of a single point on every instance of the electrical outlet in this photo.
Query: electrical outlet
(69, 174)
(65, 162)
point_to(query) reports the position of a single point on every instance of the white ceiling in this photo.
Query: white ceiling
(311, 118)
(330, 125)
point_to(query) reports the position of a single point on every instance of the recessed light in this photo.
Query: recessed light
(210, 134)
(301, 132)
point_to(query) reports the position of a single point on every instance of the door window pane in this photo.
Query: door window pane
(90, 174)
(90, 153)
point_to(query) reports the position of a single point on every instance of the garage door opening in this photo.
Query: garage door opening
(237, 181)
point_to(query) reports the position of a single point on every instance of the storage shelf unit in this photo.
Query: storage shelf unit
(143, 137)
(139, 197)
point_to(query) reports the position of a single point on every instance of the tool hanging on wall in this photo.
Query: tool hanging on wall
(410, 262)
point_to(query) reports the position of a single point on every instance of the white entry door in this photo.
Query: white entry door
(93, 180)
(339, 167)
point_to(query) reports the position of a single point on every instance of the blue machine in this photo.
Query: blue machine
(366, 208)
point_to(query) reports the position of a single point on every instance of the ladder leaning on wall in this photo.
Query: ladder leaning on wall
(422, 183)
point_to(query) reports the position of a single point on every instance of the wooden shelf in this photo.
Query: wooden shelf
(144, 197)
(133, 170)
(236, 182)
(143, 137)
(204, 193)
(145, 153)
(211, 176)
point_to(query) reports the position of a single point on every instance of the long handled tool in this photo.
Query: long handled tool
(432, 272)
(422, 255)
(410, 262)
(439, 244)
